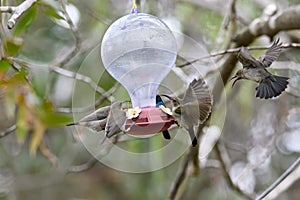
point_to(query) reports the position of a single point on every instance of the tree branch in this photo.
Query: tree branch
(292, 168)
(106, 95)
(257, 28)
(225, 164)
(66, 73)
(71, 54)
(107, 145)
(181, 176)
(268, 27)
(16, 11)
(8, 131)
(235, 50)
(7, 9)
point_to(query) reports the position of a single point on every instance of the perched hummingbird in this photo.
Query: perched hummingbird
(115, 119)
(269, 85)
(95, 121)
(195, 106)
(159, 102)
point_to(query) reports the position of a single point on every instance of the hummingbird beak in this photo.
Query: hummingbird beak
(164, 95)
(125, 101)
(236, 79)
(235, 76)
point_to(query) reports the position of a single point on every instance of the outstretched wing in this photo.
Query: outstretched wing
(247, 60)
(204, 97)
(198, 100)
(115, 120)
(271, 54)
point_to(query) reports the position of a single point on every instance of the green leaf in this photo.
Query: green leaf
(37, 136)
(56, 119)
(26, 20)
(40, 80)
(49, 11)
(50, 8)
(13, 45)
(22, 124)
(49, 118)
(4, 66)
(15, 80)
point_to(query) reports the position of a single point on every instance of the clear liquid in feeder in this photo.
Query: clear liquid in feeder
(139, 50)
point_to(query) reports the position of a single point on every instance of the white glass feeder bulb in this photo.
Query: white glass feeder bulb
(139, 50)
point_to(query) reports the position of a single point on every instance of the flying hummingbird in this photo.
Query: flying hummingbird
(195, 106)
(95, 121)
(269, 85)
(159, 102)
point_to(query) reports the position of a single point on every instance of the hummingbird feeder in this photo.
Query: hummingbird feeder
(139, 50)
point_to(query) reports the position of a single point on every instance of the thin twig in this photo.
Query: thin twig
(107, 145)
(7, 9)
(17, 11)
(66, 73)
(83, 167)
(225, 164)
(75, 33)
(235, 50)
(181, 176)
(7, 131)
(47, 153)
(280, 179)
(230, 18)
(106, 95)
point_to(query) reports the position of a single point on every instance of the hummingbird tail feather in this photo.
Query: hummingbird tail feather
(193, 137)
(166, 135)
(103, 140)
(271, 86)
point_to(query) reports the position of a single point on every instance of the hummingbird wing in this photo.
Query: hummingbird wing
(97, 125)
(204, 98)
(189, 109)
(271, 54)
(98, 114)
(247, 60)
(115, 120)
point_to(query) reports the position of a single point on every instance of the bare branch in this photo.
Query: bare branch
(107, 145)
(47, 153)
(7, 9)
(181, 176)
(292, 168)
(248, 35)
(106, 95)
(225, 164)
(192, 156)
(66, 58)
(83, 167)
(8, 131)
(66, 73)
(235, 50)
(229, 20)
(17, 11)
